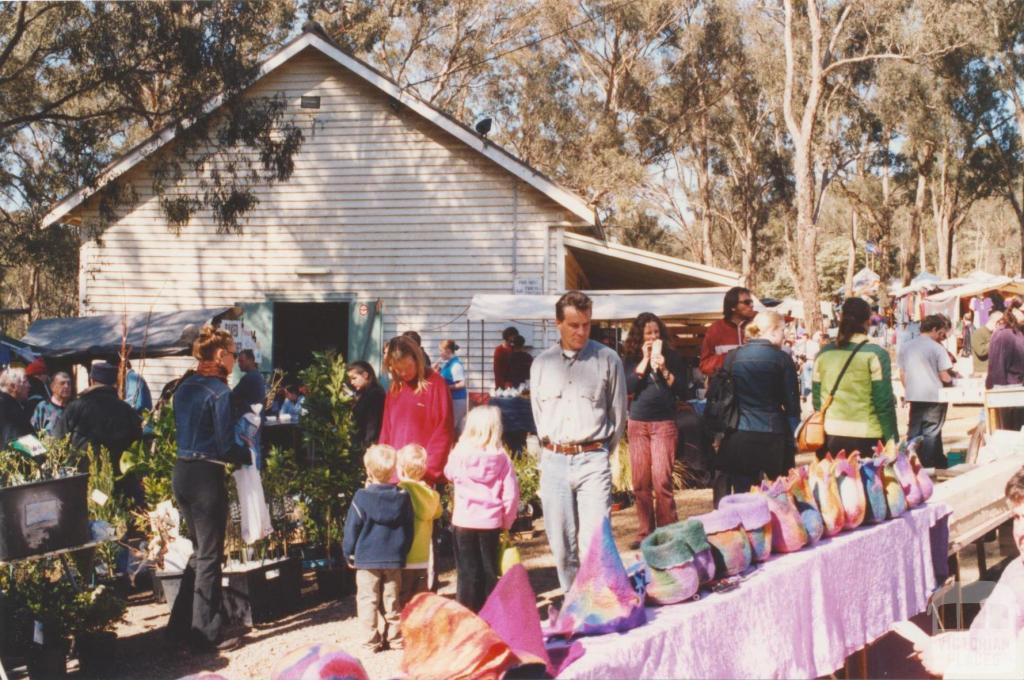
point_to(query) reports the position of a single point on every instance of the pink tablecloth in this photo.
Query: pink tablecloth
(798, 615)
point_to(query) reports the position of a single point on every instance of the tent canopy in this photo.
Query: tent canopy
(1003, 284)
(609, 305)
(156, 334)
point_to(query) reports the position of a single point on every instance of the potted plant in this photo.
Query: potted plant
(335, 470)
(527, 469)
(95, 639)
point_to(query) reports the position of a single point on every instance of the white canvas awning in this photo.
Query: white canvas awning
(1001, 283)
(609, 305)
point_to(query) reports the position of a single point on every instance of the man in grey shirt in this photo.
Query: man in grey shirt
(578, 395)
(925, 367)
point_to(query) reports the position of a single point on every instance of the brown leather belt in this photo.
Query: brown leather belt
(573, 449)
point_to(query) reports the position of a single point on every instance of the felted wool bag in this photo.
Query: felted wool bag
(823, 487)
(895, 497)
(877, 510)
(729, 543)
(923, 479)
(905, 472)
(671, 571)
(756, 518)
(799, 493)
(851, 489)
(788, 531)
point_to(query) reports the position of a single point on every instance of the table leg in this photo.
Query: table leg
(979, 545)
(864, 663)
(3, 675)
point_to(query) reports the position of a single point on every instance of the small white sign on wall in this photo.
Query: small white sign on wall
(528, 285)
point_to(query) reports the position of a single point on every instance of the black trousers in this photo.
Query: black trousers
(836, 443)
(476, 562)
(202, 497)
(745, 458)
(926, 421)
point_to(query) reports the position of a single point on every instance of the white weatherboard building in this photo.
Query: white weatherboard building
(396, 215)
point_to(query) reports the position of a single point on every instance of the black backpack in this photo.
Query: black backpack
(722, 411)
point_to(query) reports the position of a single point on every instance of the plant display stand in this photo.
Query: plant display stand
(42, 517)
(258, 592)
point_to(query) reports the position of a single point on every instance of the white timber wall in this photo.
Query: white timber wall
(384, 202)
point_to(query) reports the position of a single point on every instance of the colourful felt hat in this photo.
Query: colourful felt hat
(729, 543)
(673, 573)
(443, 639)
(756, 518)
(511, 612)
(319, 662)
(876, 508)
(851, 489)
(822, 483)
(601, 599)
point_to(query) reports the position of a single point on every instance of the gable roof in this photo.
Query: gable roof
(635, 268)
(312, 40)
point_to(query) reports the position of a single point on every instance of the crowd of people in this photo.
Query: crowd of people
(419, 434)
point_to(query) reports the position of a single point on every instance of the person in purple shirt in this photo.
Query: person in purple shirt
(1006, 361)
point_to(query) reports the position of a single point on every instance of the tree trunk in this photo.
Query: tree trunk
(806, 237)
(851, 261)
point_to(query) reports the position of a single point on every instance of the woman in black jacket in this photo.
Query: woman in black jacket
(655, 378)
(369, 407)
(765, 385)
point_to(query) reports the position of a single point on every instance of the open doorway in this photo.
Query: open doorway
(301, 328)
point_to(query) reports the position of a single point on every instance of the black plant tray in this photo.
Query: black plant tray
(42, 517)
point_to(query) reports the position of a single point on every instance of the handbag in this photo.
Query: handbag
(508, 553)
(722, 410)
(811, 436)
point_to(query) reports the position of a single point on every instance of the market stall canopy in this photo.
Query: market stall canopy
(1003, 284)
(795, 308)
(155, 334)
(15, 350)
(609, 305)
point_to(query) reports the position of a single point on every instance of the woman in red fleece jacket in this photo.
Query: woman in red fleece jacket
(418, 408)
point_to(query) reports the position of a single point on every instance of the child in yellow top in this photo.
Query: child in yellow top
(426, 507)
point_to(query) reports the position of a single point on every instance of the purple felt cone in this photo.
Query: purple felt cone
(601, 599)
(511, 611)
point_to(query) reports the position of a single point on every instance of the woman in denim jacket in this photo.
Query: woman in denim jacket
(765, 383)
(206, 444)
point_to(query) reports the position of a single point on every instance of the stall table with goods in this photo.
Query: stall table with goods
(789, 580)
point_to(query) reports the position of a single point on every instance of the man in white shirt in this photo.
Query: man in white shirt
(925, 366)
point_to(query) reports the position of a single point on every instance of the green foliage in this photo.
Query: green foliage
(60, 459)
(335, 470)
(527, 469)
(153, 458)
(114, 511)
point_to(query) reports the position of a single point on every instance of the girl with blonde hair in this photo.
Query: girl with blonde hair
(486, 502)
(765, 384)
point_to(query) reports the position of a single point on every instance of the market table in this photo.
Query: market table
(797, 615)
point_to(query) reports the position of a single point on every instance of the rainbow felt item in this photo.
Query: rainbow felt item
(924, 480)
(756, 518)
(800, 495)
(443, 639)
(895, 497)
(601, 599)
(851, 488)
(511, 612)
(319, 662)
(905, 472)
(729, 543)
(671, 568)
(877, 510)
(825, 491)
(788, 531)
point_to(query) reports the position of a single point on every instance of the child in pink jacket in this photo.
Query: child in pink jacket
(486, 503)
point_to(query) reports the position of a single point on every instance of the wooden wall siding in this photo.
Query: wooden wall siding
(390, 206)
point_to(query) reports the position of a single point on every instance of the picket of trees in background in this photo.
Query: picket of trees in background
(791, 140)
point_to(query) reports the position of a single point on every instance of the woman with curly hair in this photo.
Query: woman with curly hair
(655, 378)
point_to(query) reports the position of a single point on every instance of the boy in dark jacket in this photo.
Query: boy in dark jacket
(378, 535)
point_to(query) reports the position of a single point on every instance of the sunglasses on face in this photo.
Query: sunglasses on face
(744, 302)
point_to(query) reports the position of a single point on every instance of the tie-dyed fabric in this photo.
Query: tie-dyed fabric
(796, 486)
(443, 639)
(825, 491)
(319, 662)
(851, 488)
(877, 510)
(756, 519)
(601, 599)
(788, 531)
(729, 543)
(511, 612)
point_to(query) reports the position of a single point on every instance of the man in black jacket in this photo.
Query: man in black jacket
(98, 418)
(14, 422)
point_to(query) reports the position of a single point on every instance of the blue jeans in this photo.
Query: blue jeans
(576, 492)
(926, 421)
